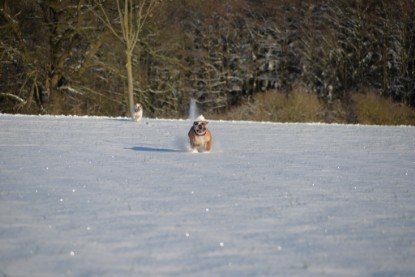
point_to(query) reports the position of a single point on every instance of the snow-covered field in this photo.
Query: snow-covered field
(111, 197)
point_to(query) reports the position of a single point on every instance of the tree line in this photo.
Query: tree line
(66, 57)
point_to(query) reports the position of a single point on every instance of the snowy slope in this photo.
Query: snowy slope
(111, 197)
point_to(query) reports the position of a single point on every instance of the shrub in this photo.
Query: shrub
(297, 106)
(371, 108)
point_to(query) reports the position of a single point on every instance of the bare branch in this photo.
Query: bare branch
(14, 97)
(106, 21)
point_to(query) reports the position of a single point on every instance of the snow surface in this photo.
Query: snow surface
(97, 196)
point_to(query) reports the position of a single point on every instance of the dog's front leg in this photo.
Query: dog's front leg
(208, 145)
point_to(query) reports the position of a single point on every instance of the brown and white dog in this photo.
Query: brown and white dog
(199, 135)
(138, 112)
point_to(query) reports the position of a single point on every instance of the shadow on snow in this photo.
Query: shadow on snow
(152, 149)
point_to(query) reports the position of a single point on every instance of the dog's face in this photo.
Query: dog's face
(137, 107)
(200, 127)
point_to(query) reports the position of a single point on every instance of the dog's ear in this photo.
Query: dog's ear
(205, 122)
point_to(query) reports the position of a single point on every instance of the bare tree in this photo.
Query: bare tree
(133, 15)
(15, 50)
(42, 49)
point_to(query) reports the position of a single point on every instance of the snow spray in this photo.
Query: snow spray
(193, 111)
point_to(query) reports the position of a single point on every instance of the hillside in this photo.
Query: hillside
(69, 57)
(98, 196)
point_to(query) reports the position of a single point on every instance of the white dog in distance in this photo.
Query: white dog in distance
(138, 112)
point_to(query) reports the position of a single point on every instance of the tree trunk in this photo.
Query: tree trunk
(130, 88)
